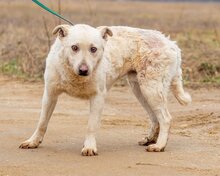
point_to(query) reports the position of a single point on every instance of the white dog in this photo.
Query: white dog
(85, 62)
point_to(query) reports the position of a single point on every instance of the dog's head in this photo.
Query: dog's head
(83, 46)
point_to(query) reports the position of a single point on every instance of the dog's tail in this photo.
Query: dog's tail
(183, 97)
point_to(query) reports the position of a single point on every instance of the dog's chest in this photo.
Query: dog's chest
(79, 89)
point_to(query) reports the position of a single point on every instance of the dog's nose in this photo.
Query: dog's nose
(83, 70)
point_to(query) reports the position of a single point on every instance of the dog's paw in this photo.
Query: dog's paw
(154, 148)
(145, 142)
(30, 144)
(89, 151)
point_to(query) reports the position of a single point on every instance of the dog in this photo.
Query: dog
(85, 62)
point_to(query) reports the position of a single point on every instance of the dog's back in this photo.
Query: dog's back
(151, 49)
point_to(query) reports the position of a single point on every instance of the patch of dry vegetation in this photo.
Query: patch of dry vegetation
(25, 31)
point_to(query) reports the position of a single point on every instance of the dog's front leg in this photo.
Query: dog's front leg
(96, 106)
(48, 104)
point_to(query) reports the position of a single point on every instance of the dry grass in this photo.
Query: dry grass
(25, 31)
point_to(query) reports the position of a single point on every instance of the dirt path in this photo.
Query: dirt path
(193, 147)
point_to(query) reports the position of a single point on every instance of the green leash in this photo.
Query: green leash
(51, 11)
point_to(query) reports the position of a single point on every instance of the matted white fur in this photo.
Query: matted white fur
(85, 62)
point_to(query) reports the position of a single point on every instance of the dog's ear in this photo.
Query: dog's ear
(105, 32)
(62, 30)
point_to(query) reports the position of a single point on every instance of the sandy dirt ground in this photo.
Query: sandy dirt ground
(193, 147)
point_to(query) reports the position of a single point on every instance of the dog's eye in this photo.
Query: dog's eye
(75, 48)
(93, 49)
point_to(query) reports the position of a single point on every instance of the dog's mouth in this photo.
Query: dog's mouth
(81, 73)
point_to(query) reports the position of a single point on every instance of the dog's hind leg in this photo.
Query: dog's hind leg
(48, 105)
(154, 130)
(156, 94)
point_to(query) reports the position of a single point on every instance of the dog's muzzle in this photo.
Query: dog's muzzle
(83, 70)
